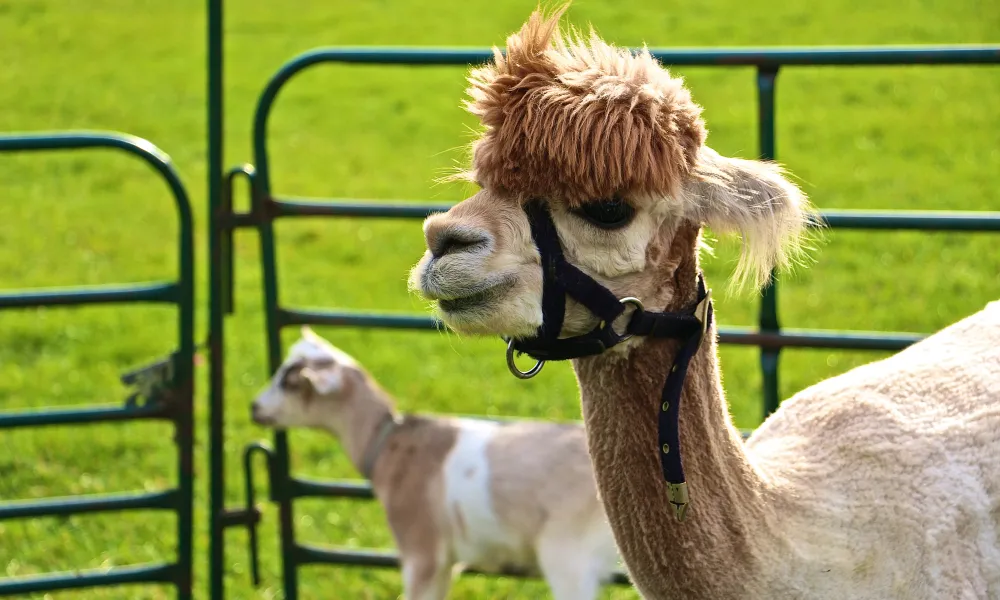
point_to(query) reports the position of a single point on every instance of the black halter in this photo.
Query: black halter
(561, 279)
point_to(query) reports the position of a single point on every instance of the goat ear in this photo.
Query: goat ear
(754, 199)
(326, 380)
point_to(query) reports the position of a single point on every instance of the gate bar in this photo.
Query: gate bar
(289, 317)
(306, 207)
(75, 505)
(356, 557)
(843, 56)
(104, 294)
(80, 416)
(744, 336)
(913, 220)
(902, 220)
(156, 573)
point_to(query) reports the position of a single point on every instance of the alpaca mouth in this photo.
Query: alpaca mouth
(473, 301)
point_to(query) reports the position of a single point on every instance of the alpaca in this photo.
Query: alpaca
(497, 497)
(880, 483)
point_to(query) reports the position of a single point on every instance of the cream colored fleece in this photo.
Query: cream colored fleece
(888, 476)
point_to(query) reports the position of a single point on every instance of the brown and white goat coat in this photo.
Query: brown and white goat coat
(458, 493)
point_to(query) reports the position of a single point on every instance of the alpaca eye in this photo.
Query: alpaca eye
(607, 214)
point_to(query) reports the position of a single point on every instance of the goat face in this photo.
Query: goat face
(307, 388)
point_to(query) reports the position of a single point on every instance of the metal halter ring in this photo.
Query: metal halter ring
(518, 372)
(638, 307)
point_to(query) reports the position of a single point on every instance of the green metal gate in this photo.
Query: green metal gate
(267, 206)
(161, 391)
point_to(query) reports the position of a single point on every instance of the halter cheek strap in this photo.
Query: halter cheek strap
(560, 278)
(670, 398)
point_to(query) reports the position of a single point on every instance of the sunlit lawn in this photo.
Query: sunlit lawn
(872, 137)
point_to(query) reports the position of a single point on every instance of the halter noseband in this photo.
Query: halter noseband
(560, 278)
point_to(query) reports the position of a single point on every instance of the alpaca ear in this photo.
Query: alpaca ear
(755, 200)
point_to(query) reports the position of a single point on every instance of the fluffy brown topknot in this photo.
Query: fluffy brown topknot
(574, 119)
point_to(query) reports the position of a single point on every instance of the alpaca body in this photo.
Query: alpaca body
(893, 471)
(457, 493)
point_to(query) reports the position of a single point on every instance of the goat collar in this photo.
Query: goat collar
(376, 443)
(560, 278)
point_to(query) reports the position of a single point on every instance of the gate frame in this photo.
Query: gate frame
(265, 208)
(165, 388)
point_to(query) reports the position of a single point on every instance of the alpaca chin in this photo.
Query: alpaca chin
(508, 315)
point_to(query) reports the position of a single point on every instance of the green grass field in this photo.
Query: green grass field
(913, 138)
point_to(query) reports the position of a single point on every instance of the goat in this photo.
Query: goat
(498, 497)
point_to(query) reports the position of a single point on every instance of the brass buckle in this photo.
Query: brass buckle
(677, 495)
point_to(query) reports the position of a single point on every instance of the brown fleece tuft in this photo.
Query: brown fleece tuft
(574, 120)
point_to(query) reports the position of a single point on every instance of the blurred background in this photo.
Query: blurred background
(855, 137)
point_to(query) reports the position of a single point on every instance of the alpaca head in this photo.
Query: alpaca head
(315, 387)
(615, 147)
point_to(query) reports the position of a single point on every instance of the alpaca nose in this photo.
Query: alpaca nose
(452, 238)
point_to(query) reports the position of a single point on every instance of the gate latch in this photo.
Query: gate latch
(154, 383)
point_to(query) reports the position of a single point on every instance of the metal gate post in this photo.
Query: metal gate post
(767, 77)
(273, 324)
(216, 317)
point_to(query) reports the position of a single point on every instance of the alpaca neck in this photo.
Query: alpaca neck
(713, 553)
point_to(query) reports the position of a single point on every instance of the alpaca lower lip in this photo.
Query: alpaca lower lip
(476, 300)
(465, 303)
